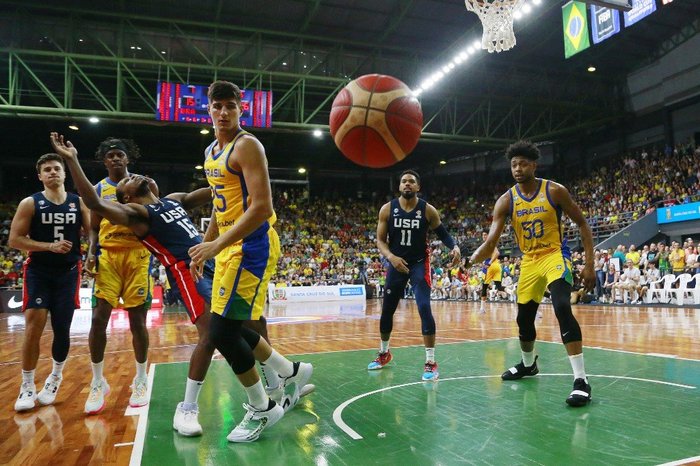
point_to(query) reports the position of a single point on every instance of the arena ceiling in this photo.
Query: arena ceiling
(65, 61)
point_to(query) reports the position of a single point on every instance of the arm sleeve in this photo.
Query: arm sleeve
(445, 236)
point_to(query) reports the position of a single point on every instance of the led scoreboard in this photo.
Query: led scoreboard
(188, 103)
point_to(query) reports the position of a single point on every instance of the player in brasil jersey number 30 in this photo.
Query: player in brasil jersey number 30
(535, 207)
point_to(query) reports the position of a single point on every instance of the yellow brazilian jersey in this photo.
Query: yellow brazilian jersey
(114, 236)
(230, 194)
(536, 221)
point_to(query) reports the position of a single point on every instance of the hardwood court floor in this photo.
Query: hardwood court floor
(64, 435)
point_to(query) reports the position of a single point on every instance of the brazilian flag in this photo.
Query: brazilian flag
(575, 28)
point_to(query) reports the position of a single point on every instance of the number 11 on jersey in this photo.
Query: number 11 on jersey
(405, 237)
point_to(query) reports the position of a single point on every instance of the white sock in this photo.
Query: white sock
(97, 368)
(28, 376)
(279, 363)
(429, 354)
(192, 389)
(257, 397)
(141, 368)
(577, 365)
(383, 346)
(528, 358)
(272, 378)
(58, 368)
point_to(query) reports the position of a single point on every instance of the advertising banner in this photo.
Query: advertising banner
(287, 294)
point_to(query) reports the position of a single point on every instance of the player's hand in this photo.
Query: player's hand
(456, 255)
(196, 270)
(588, 276)
(399, 264)
(61, 247)
(91, 265)
(63, 148)
(200, 253)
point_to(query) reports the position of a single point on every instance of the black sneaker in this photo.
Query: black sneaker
(520, 371)
(581, 395)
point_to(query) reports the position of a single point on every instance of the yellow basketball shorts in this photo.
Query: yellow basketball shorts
(538, 271)
(125, 274)
(241, 277)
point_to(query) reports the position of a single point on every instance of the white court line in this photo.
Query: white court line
(683, 461)
(125, 444)
(655, 355)
(338, 412)
(140, 439)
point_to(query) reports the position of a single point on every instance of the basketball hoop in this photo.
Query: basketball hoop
(497, 19)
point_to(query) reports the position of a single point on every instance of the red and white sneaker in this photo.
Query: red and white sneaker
(430, 372)
(380, 361)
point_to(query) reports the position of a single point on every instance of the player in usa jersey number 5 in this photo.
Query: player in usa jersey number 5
(47, 224)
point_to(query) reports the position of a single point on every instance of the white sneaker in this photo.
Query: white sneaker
(254, 422)
(278, 394)
(307, 389)
(139, 392)
(47, 395)
(300, 376)
(26, 398)
(96, 399)
(297, 382)
(275, 394)
(186, 421)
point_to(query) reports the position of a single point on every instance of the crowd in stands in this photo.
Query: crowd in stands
(332, 241)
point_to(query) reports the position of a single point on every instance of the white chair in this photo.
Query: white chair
(695, 292)
(679, 292)
(661, 288)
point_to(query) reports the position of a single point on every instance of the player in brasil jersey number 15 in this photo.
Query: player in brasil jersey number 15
(535, 207)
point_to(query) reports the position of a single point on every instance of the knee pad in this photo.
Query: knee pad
(527, 313)
(568, 325)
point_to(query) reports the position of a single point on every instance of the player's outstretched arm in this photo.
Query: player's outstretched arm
(194, 199)
(500, 213)
(118, 214)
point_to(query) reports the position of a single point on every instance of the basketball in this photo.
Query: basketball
(376, 121)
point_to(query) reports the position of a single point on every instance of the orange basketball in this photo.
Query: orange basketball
(376, 121)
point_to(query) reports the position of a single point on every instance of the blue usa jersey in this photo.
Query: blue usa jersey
(171, 233)
(55, 222)
(408, 232)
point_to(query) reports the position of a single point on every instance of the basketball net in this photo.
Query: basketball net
(497, 19)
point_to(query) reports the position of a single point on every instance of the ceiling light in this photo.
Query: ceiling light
(94, 120)
(318, 133)
(198, 167)
(73, 127)
(443, 162)
(302, 170)
(591, 69)
(203, 131)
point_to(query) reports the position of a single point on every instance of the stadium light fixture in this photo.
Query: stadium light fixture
(591, 69)
(73, 127)
(317, 133)
(94, 120)
(203, 131)
(443, 162)
(198, 167)
(302, 170)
